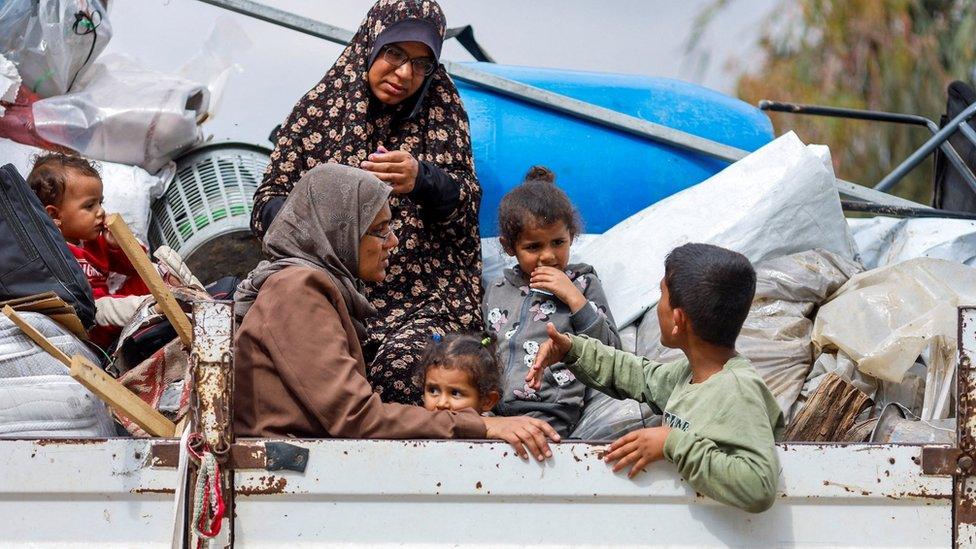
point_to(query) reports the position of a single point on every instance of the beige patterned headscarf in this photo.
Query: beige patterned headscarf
(320, 226)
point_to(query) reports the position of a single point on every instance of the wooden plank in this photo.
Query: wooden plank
(122, 400)
(829, 413)
(36, 336)
(147, 271)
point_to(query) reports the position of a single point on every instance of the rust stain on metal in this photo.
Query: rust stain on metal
(477, 485)
(154, 491)
(68, 441)
(269, 485)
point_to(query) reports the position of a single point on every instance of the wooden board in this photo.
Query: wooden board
(122, 400)
(829, 413)
(147, 271)
(50, 304)
(36, 336)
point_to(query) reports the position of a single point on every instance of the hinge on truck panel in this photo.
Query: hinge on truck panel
(964, 483)
(268, 455)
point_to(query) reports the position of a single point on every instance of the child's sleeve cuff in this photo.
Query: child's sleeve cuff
(675, 442)
(584, 319)
(575, 351)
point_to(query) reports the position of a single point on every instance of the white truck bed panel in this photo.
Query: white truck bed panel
(100, 493)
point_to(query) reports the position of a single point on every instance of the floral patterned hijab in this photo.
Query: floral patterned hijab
(339, 121)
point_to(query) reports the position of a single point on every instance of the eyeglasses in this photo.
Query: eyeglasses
(397, 57)
(384, 236)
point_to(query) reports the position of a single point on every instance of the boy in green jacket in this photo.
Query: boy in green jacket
(720, 420)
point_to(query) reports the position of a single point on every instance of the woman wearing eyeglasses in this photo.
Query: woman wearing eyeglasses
(387, 106)
(299, 368)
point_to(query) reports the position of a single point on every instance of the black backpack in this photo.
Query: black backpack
(34, 257)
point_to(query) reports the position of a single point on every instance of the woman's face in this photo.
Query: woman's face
(391, 84)
(375, 247)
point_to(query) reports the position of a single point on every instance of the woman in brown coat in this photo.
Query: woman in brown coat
(299, 368)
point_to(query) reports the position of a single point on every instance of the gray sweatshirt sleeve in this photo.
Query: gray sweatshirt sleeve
(594, 319)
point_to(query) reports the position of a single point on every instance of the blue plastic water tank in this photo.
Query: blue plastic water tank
(609, 175)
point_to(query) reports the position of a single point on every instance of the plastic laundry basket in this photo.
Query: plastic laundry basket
(206, 212)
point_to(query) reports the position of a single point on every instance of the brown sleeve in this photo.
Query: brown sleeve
(308, 347)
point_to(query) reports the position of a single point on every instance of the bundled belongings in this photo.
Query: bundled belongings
(886, 318)
(886, 241)
(121, 111)
(38, 398)
(53, 42)
(778, 200)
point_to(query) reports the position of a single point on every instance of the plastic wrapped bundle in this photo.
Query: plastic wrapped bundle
(53, 42)
(37, 396)
(126, 114)
(606, 418)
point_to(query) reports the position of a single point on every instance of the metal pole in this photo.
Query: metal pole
(548, 99)
(919, 155)
(879, 116)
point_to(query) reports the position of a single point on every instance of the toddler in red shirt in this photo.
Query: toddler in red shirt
(70, 189)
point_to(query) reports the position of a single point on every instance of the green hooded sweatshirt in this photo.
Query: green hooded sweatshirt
(722, 430)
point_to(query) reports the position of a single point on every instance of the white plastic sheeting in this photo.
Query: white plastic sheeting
(885, 318)
(49, 48)
(886, 241)
(123, 112)
(128, 190)
(778, 200)
(9, 82)
(37, 396)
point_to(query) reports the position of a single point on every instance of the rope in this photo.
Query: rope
(207, 495)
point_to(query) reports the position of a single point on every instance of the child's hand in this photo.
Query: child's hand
(639, 448)
(522, 431)
(551, 352)
(555, 281)
(109, 237)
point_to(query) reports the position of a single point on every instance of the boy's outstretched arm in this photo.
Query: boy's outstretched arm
(617, 373)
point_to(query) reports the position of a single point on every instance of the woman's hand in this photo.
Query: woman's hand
(637, 448)
(522, 431)
(552, 351)
(553, 280)
(398, 168)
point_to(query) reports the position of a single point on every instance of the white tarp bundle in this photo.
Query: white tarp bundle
(128, 190)
(53, 42)
(37, 396)
(886, 241)
(9, 82)
(778, 200)
(885, 318)
(121, 111)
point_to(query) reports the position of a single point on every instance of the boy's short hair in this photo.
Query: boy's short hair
(49, 176)
(714, 287)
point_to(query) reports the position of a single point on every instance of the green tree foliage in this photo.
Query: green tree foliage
(887, 55)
